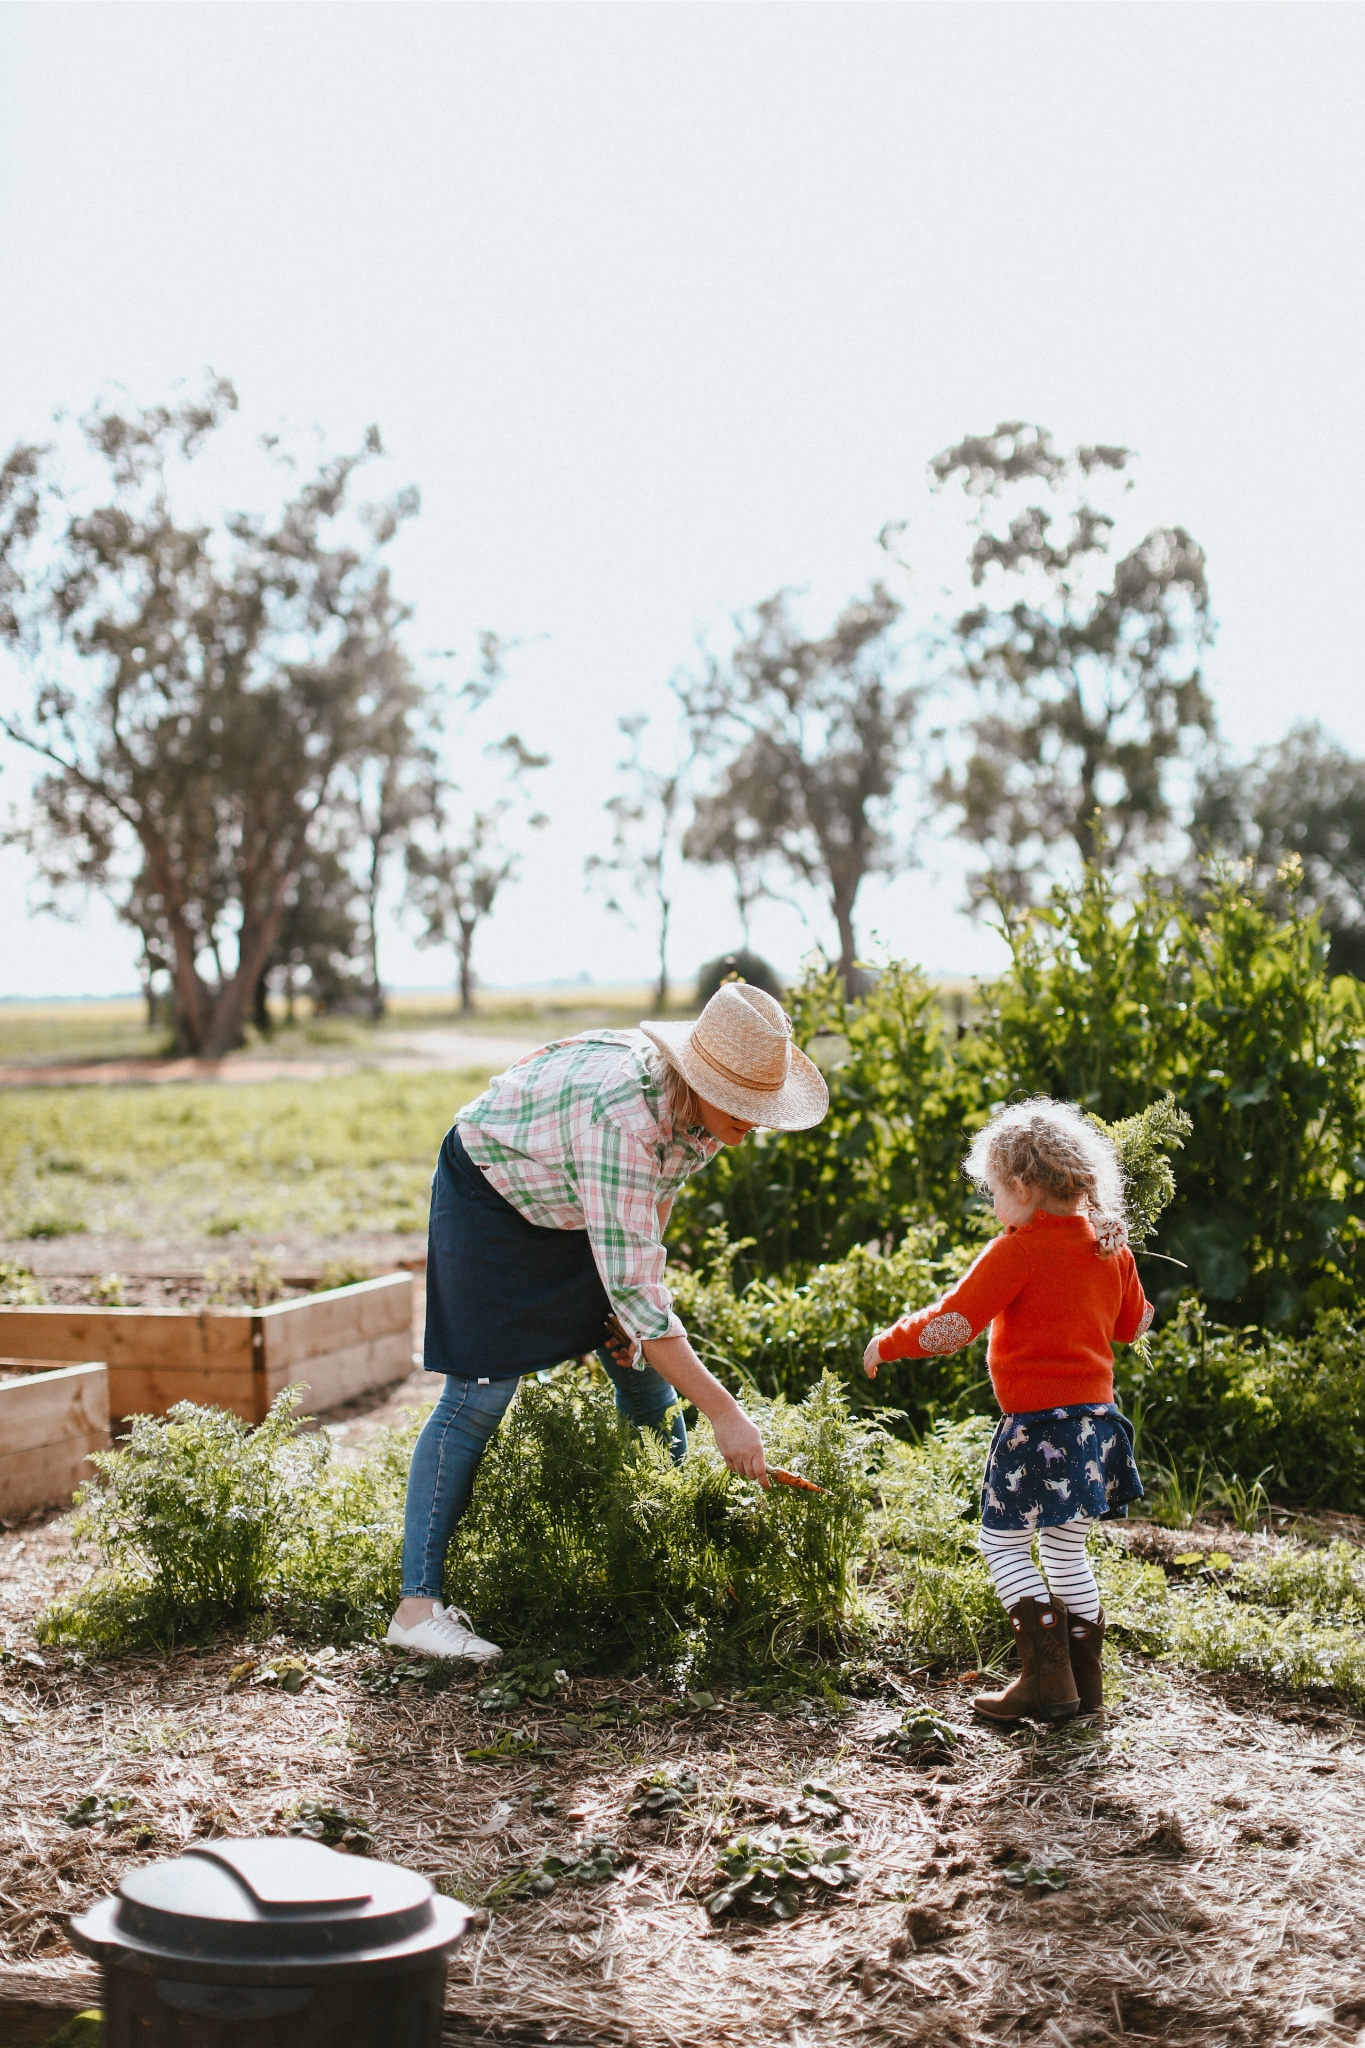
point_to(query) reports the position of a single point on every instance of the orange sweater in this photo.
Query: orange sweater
(1055, 1306)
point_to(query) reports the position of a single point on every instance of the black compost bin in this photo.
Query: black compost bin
(272, 1943)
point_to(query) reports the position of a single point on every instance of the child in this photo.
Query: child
(1057, 1288)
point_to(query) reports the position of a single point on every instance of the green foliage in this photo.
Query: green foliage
(772, 1337)
(192, 1520)
(582, 1535)
(1250, 1403)
(1223, 1004)
(932, 1579)
(590, 1862)
(254, 1285)
(903, 1105)
(777, 1873)
(1227, 1004)
(18, 1286)
(584, 1539)
(1145, 1143)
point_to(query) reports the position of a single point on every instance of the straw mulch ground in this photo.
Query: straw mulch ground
(1210, 1841)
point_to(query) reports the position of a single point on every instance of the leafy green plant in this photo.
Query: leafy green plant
(192, 1520)
(922, 1737)
(1225, 1000)
(19, 1288)
(590, 1862)
(255, 1285)
(777, 1873)
(341, 1273)
(903, 1105)
(318, 1822)
(584, 1536)
(663, 1791)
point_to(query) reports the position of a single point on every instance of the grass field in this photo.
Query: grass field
(117, 1030)
(200, 1159)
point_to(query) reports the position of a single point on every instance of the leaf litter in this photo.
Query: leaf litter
(1208, 1834)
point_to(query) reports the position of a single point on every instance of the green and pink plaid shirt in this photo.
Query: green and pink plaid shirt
(577, 1136)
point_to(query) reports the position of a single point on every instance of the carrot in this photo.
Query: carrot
(794, 1479)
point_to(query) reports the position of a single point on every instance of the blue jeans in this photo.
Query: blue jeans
(457, 1433)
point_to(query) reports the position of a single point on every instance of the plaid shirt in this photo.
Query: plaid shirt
(577, 1136)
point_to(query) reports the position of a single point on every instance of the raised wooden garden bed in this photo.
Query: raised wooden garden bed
(50, 1421)
(336, 1345)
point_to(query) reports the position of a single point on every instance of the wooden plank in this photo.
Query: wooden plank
(35, 2003)
(48, 1427)
(327, 1322)
(155, 1389)
(50, 1407)
(341, 1375)
(128, 1336)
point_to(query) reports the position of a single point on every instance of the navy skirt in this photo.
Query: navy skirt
(1055, 1465)
(504, 1296)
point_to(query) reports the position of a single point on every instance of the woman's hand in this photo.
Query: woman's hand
(739, 1443)
(872, 1357)
(621, 1349)
(737, 1440)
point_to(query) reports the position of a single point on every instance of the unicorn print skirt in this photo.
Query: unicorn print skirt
(1058, 1465)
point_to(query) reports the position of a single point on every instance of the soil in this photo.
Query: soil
(1206, 1837)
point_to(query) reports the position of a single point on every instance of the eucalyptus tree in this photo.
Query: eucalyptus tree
(462, 851)
(1296, 813)
(197, 688)
(807, 739)
(646, 814)
(1084, 670)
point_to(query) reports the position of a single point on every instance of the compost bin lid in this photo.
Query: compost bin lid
(271, 1901)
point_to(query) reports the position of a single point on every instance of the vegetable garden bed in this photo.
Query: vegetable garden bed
(50, 1421)
(336, 1345)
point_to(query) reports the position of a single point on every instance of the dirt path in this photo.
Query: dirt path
(411, 1052)
(1208, 1839)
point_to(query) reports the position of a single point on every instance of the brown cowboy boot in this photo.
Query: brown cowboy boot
(1044, 1689)
(1085, 1641)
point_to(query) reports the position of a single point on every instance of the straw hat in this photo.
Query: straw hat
(739, 1055)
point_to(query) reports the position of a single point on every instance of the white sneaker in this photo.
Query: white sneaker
(448, 1633)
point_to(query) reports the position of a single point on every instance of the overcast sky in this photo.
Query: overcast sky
(664, 306)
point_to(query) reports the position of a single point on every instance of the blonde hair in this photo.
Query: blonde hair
(1055, 1148)
(684, 1107)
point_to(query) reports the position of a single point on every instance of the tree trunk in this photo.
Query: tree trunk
(464, 947)
(661, 985)
(848, 945)
(377, 1003)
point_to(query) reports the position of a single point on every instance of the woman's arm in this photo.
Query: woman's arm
(737, 1439)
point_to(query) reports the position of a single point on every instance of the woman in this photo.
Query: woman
(548, 1208)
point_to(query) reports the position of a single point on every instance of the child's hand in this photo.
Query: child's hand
(872, 1357)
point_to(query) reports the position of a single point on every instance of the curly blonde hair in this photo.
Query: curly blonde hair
(1055, 1148)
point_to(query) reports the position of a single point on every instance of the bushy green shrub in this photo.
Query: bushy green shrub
(582, 1537)
(774, 1336)
(902, 1109)
(192, 1520)
(1228, 1003)
(1252, 1403)
(929, 1569)
(1223, 1000)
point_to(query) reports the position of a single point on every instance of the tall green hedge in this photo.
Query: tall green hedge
(1223, 1001)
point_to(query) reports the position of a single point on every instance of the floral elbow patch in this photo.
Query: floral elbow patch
(945, 1333)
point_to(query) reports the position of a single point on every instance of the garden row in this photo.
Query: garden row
(66, 1371)
(585, 1546)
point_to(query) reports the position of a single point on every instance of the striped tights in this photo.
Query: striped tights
(1009, 1553)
